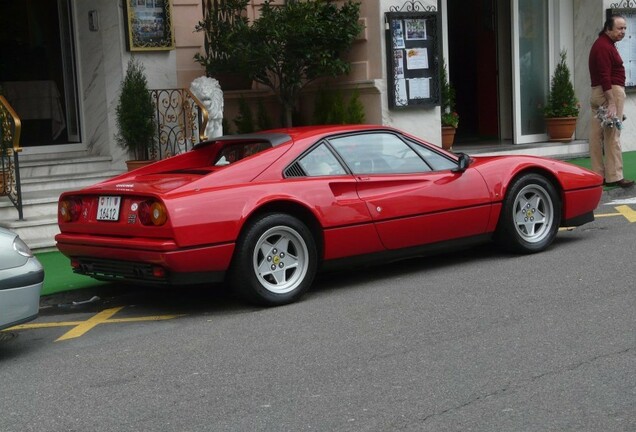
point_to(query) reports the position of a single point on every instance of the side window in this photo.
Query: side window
(436, 161)
(321, 162)
(378, 153)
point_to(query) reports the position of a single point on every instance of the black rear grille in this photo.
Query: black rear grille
(113, 270)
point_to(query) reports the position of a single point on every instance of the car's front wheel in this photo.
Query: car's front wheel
(275, 260)
(530, 216)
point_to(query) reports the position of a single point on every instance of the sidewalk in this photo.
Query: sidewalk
(60, 278)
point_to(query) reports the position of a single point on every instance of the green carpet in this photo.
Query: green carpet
(59, 277)
(629, 165)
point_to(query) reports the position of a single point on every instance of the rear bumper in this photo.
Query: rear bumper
(142, 262)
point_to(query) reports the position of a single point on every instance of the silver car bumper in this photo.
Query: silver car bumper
(20, 291)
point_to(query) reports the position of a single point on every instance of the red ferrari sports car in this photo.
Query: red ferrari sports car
(266, 211)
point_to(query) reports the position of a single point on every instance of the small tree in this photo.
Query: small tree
(224, 26)
(562, 101)
(291, 45)
(136, 114)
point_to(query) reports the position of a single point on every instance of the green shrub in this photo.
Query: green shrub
(244, 122)
(562, 101)
(330, 108)
(135, 114)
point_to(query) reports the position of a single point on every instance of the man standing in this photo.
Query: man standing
(608, 90)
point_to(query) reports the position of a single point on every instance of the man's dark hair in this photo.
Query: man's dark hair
(609, 23)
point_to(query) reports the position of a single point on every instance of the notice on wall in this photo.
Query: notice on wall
(417, 58)
(627, 47)
(420, 88)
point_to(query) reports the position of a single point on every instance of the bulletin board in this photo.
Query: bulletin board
(413, 60)
(627, 47)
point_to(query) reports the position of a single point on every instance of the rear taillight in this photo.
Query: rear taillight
(69, 209)
(152, 213)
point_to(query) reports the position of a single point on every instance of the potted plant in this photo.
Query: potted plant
(450, 118)
(225, 24)
(562, 108)
(135, 115)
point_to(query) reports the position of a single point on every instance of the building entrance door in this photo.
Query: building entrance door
(472, 48)
(37, 70)
(499, 63)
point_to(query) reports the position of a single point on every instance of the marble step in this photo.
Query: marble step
(66, 181)
(61, 166)
(37, 232)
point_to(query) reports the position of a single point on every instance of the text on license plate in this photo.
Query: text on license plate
(108, 208)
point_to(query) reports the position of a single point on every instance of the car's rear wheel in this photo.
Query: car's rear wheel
(530, 216)
(275, 260)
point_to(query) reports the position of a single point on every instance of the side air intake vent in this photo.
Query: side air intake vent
(295, 171)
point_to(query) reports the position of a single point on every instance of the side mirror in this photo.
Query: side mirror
(462, 163)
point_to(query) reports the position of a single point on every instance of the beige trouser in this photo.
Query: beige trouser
(609, 139)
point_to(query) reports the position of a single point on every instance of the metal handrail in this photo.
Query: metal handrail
(10, 130)
(181, 121)
(203, 116)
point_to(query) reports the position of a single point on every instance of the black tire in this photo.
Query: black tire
(275, 260)
(530, 216)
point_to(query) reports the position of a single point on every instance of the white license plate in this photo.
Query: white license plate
(108, 208)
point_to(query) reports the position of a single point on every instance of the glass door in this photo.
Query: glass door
(530, 68)
(37, 70)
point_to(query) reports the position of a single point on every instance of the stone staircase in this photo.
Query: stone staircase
(43, 178)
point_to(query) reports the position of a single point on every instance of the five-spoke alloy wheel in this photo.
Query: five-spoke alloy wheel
(275, 260)
(530, 216)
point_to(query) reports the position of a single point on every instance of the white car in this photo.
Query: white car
(21, 279)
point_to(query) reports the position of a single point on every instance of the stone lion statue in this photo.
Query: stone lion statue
(209, 92)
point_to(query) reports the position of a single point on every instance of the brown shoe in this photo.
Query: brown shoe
(621, 183)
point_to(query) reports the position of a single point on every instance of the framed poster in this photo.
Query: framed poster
(149, 25)
(413, 59)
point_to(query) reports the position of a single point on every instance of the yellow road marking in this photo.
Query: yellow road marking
(85, 326)
(624, 210)
(81, 327)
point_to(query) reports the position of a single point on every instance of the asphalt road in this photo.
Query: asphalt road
(471, 341)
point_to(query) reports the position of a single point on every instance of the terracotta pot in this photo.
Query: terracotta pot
(448, 137)
(134, 164)
(560, 128)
